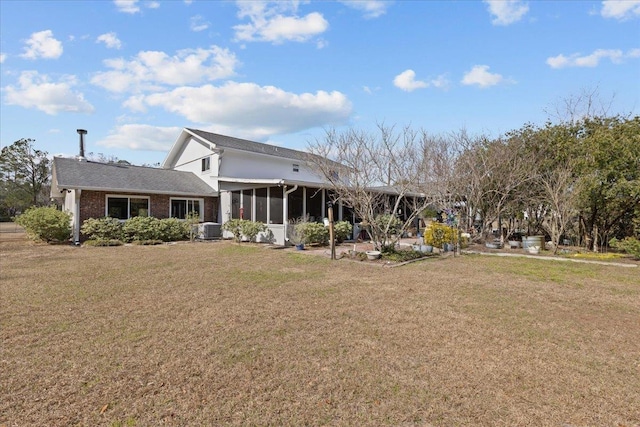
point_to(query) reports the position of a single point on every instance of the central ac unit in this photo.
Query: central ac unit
(209, 230)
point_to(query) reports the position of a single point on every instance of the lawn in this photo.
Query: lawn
(226, 334)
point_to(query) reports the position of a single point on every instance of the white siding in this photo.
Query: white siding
(255, 166)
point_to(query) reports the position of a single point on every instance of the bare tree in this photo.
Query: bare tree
(560, 195)
(387, 178)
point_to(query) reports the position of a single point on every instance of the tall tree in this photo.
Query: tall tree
(25, 175)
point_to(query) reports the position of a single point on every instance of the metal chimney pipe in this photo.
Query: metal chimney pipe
(82, 133)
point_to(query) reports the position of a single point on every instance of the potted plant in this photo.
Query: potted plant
(295, 233)
(437, 235)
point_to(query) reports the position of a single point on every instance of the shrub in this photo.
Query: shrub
(630, 245)
(102, 229)
(46, 223)
(141, 228)
(342, 230)
(234, 226)
(103, 242)
(251, 229)
(172, 229)
(438, 234)
(313, 232)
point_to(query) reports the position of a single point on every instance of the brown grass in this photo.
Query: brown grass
(226, 334)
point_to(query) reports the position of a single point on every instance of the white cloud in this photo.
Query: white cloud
(506, 12)
(199, 24)
(370, 8)
(479, 75)
(42, 45)
(153, 4)
(407, 82)
(592, 60)
(110, 40)
(127, 6)
(620, 9)
(35, 90)
(141, 137)
(269, 22)
(150, 69)
(260, 110)
(3, 57)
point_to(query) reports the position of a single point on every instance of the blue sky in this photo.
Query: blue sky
(133, 73)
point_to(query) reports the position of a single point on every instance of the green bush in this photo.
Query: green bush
(141, 228)
(630, 245)
(313, 232)
(172, 229)
(103, 242)
(342, 230)
(251, 229)
(46, 223)
(387, 220)
(102, 229)
(234, 226)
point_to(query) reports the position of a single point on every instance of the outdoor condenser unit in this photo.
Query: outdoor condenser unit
(209, 230)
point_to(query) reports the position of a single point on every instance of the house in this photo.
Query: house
(217, 176)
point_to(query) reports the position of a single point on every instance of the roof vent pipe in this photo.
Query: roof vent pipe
(82, 133)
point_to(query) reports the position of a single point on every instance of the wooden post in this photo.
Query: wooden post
(332, 240)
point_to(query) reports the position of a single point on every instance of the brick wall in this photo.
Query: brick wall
(93, 205)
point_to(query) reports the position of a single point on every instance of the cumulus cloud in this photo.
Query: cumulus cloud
(277, 22)
(506, 12)
(370, 8)
(150, 70)
(127, 6)
(616, 56)
(3, 57)
(407, 82)
(110, 40)
(199, 24)
(479, 75)
(42, 45)
(620, 9)
(141, 137)
(35, 90)
(261, 110)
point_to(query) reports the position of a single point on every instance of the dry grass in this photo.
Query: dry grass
(221, 334)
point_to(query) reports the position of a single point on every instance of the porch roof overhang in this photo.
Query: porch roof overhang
(233, 184)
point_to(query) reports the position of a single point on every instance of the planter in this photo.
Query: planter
(448, 247)
(300, 247)
(514, 244)
(529, 241)
(373, 255)
(534, 250)
(427, 249)
(493, 245)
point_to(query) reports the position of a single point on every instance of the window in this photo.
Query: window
(180, 208)
(206, 164)
(235, 204)
(296, 168)
(124, 207)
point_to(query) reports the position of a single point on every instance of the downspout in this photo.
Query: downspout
(76, 217)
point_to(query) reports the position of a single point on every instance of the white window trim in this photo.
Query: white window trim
(201, 200)
(128, 197)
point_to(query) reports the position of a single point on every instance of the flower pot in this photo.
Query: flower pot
(514, 244)
(534, 249)
(427, 249)
(373, 255)
(300, 247)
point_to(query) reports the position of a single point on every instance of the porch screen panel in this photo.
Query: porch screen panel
(275, 205)
(294, 204)
(235, 204)
(261, 205)
(314, 204)
(246, 205)
(118, 207)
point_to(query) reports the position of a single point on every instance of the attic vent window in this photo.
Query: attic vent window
(296, 168)
(206, 164)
